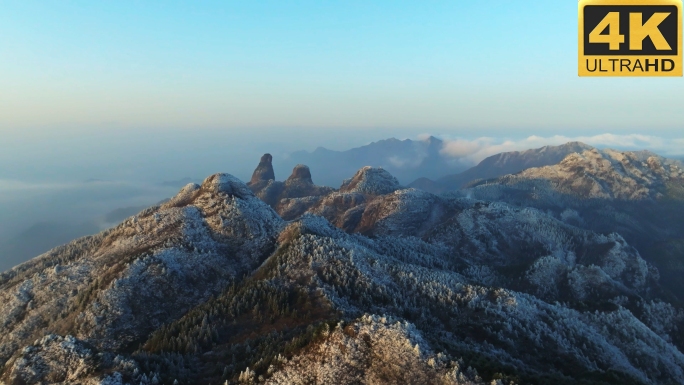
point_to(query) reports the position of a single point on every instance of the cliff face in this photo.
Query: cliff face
(264, 171)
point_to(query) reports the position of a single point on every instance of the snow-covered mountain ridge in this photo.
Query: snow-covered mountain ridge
(501, 164)
(606, 174)
(639, 195)
(371, 283)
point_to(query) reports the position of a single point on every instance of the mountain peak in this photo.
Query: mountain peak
(371, 180)
(405, 159)
(227, 184)
(502, 164)
(577, 143)
(298, 185)
(575, 146)
(432, 140)
(264, 170)
(302, 173)
(605, 174)
(215, 282)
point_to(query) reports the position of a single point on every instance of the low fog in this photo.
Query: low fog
(59, 185)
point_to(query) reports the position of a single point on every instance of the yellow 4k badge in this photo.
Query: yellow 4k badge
(630, 38)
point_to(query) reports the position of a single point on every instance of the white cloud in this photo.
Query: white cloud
(397, 161)
(460, 148)
(475, 150)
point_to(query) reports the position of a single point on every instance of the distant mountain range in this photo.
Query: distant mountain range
(501, 164)
(415, 163)
(543, 276)
(637, 194)
(406, 159)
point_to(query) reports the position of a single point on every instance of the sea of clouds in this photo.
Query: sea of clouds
(475, 150)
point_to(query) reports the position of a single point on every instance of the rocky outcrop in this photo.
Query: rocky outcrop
(300, 184)
(301, 173)
(406, 159)
(278, 194)
(371, 181)
(298, 194)
(354, 207)
(264, 171)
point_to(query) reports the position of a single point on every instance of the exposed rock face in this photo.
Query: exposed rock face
(405, 159)
(264, 171)
(301, 173)
(278, 194)
(371, 181)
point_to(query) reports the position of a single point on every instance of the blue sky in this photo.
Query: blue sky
(503, 68)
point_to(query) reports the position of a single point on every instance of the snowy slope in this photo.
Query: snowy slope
(370, 284)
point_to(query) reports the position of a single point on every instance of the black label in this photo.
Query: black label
(668, 28)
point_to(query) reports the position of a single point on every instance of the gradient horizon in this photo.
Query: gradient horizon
(500, 67)
(136, 93)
